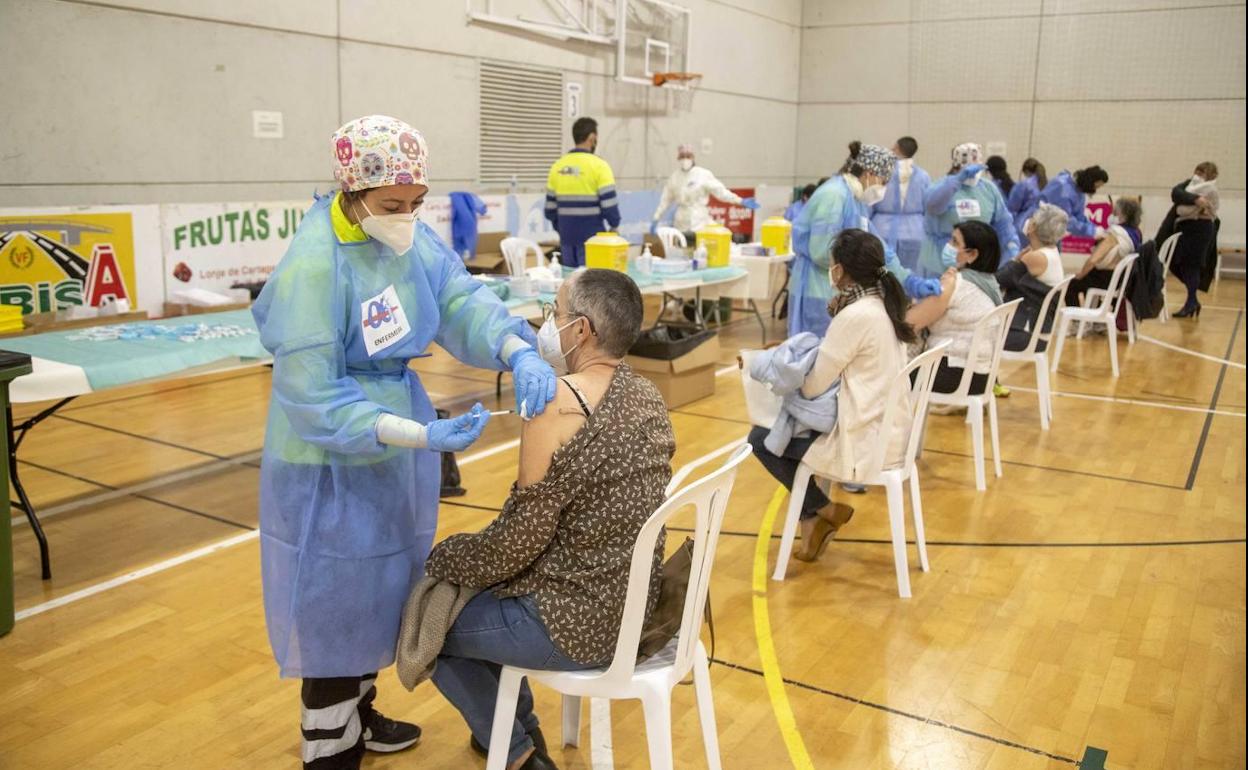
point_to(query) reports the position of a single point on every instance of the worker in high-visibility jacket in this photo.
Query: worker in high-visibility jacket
(580, 194)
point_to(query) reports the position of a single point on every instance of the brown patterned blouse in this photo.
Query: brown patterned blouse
(568, 539)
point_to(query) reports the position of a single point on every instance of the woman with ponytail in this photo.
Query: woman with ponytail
(862, 350)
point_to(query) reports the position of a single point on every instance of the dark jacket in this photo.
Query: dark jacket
(1179, 196)
(1145, 290)
(1015, 282)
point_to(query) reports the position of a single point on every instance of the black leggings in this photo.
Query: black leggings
(948, 378)
(1095, 279)
(784, 467)
(1190, 253)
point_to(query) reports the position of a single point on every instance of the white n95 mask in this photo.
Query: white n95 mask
(686, 164)
(394, 230)
(550, 348)
(873, 194)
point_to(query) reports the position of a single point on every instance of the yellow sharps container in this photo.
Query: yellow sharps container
(607, 251)
(777, 235)
(717, 240)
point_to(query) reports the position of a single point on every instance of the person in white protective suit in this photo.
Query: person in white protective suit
(691, 188)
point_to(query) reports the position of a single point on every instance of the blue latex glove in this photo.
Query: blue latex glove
(969, 171)
(534, 382)
(918, 288)
(457, 433)
(750, 203)
(654, 227)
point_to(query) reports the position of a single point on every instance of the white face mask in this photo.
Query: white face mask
(394, 230)
(551, 349)
(686, 164)
(873, 194)
(1113, 220)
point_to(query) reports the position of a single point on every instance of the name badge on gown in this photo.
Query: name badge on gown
(382, 321)
(968, 208)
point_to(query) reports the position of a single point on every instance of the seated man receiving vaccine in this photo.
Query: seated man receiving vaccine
(552, 569)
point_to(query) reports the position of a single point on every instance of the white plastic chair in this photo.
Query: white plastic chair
(991, 329)
(516, 254)
(1105, 311)
(891, 478)
(670, 236)
(652, 680)
(1040, 357)
(1165, 255)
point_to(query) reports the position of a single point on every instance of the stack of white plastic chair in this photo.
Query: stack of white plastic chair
(652, 680)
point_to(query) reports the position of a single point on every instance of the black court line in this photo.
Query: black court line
(907, 714)
(1071, 471)
(1213, 403)
(1007, 544)
(141, 437)
(1089, 474)
(137, 496)
(444, 501)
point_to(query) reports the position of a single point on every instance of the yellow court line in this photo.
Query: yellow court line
(772, 677)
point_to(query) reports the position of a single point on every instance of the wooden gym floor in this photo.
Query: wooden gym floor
(1092, 598)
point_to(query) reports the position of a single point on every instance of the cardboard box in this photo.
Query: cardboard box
(489, 258)
(181, 308)
(684, 379)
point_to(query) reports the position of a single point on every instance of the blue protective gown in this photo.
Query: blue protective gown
(830, 210)
(1024, 199)
(900, 223)
(465, 208)
(347, 522)
(949, 202)
(1061, 191)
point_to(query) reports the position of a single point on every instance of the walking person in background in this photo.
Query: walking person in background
(580, 194)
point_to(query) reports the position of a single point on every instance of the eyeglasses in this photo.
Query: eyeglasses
(550, 312)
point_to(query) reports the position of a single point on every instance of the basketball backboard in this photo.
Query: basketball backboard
(650, 37)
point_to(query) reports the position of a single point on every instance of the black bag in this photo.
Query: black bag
(450, 469)
(664, 622)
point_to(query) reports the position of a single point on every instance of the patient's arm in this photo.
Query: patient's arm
(544, 434)
(527, 523)
(929, 310)
(1103, 247)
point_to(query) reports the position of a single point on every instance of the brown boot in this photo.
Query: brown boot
(814, 539)
(836, 514)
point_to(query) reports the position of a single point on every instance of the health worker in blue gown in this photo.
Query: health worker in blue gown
(1069, 192)
(840, 203)
(351, 470)
(965, 194)
(899, 217)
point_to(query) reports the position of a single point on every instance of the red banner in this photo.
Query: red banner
(736, 218)
(1098, 213)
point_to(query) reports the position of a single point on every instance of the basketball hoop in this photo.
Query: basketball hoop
(687, 78)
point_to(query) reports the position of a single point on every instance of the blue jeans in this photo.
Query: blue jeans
(489, 634)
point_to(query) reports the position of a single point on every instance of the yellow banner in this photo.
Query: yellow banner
(52, 261)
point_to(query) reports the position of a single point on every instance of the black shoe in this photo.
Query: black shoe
(387, 736)
(539, 761)
(1189, 311)
(539, 743)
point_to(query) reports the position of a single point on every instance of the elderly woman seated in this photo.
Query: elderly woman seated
(1121, 239)
(1045, 229)
(552, 569)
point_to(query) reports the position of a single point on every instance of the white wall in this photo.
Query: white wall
(150, 100)
(1145, 88)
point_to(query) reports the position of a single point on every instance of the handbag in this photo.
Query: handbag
(664, 622)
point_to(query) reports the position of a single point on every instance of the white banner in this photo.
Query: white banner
(214, 246)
